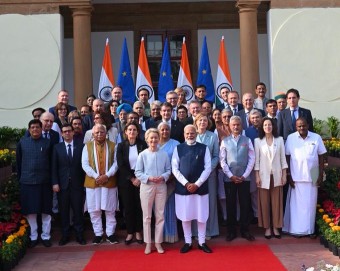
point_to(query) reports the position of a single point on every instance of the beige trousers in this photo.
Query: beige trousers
(153, 195)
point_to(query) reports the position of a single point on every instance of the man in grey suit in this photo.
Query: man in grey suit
(248, 104)
(287, 118)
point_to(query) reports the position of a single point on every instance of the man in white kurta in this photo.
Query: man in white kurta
(100, 165)
(304, 151)
(191, 166)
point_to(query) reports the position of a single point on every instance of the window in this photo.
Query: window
(154, 44)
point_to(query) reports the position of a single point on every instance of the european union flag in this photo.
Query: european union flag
(204, 73)
(165, 82)
(125, 79)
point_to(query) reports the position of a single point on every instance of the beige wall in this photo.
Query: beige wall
(304, 51)
(30, 65)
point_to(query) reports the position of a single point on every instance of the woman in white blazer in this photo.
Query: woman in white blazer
(270, 171)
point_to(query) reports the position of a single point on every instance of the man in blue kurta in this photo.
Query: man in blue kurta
(191, 166)
(33, 164)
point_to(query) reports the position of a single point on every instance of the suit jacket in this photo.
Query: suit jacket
(64, 172)
(176, 131)
(243, 116)
(285, 125)
(125, 171)
(88, 123)
(266, 164)
(69, 108)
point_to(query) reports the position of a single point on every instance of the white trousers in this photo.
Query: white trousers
(97, 224)
(201, 229)
(153, 195)
(46, 226)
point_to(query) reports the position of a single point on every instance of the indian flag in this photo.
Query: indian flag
(184, 78)
(223, 78)
(106, 81)
(143, 79)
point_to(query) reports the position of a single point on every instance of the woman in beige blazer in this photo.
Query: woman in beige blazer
(270, 170)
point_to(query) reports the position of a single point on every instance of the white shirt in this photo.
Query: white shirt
(304, 155)
(66, 145)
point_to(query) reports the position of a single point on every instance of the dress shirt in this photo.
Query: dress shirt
(66, 145)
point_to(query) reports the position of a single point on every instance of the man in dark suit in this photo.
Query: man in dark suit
(138, 107)
(248, 105)
(287, 117)
(63, 97)
(117, 95)
(47, 120)
(233, 102)
(224, 96)
(195, 108)
(271, 109)
(68, 181)
(97, 107)
(155, 115)
(176, 127)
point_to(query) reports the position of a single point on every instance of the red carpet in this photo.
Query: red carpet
(238, 258)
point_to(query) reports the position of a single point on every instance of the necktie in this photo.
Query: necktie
(294, 120)
(69, 152)
(248, 120)
(45, 134)
(173, 116)
(234, 110)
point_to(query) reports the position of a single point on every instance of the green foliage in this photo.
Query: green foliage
(333, 126)
(331, 185)
(10, 135)
(318, 126)
(9, 196)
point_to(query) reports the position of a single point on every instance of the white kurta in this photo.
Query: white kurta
(299, 217)
(190, 207)
(100, 198)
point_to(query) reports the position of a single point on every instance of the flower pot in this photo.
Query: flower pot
(330, 246)
(335, 250)
(325, 244)
(322, 240)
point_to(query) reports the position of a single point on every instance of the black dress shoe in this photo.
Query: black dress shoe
(46, 242)
(231, 236)
(63, 241)
(140, 241)
(33, 243)
(81, 240)
(268, 236)
(277, 236)
(205, 248)
(128, 242)
(186, 248)
(248, 236)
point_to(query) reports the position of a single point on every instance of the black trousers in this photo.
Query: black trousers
(242, 191)
(71, 199)
(132, 207)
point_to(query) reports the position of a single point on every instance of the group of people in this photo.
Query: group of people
(179, 161)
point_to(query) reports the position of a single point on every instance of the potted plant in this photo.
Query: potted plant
(333, 126)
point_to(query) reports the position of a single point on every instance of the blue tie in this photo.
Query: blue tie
(69, 152)
(294, 120)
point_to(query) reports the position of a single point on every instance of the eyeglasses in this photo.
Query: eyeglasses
(226, 117)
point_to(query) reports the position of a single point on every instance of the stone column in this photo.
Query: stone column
(248, 44)
(82, 53)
